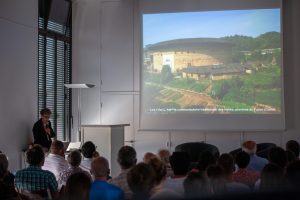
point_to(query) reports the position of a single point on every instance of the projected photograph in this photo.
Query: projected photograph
(212, 62)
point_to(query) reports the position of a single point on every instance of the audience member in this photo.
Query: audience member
(227, 163)
(293, 174)
(244, 175)
(293, 145)
(256, 163)
(148, 156)
(196, 185)
(88, 151)
(77, 187)
(278, 156)
(180, 163)
(126, 159)
(55, 161)
(164, 156)
(74, 159)
(206, 158)
(34, 178)
(9, 178)
(217, 179)
(100, 189)
(141, 181)
(160, 169)
(7, 191)
(271, 178)
(291, 157)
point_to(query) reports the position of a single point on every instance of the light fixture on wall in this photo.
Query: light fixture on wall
(79, 87)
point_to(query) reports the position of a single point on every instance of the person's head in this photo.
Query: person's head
(140, 180)
(45, 115)
(293, 146)
(180, 163)
(272, 177)
(249, 147)
(3, 165)
(293, 174)
(88, 149)
(196, 185)
(127, 157)
(291, 157)
(206, 158)
(78, 187)
(227, 163)
(277, 156)
(57, 147)
(160, 169)
(216, 175)
(74, 158)
(148, 156)
(100, 168)
(164, 155)
(35, 155)
(242, 159)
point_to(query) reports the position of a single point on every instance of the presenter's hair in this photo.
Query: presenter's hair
(127, 157)
(35, 155)
(45, 111)
(88, 149)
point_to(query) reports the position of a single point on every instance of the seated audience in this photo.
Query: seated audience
(293, 146)
(164, 156)
(278, 156)
(196, 185)
(100, 189)
(160, 169)
(7, 191)
(74, 159)
(55, 161)
(293, 175)
(271, 178)
(34, 178)
(206, 158)
(126, 159)
(9, 178)
(88, 151)
(148, 156)
(141, 181)
(244, 175)
(227, 163)
(77, 187)
(217, 180)
(256, 163)
(291, 157)
(180, 164)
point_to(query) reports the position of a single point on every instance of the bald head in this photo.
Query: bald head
(249, 147)
(100, 167)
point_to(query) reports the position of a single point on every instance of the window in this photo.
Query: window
(55, 64)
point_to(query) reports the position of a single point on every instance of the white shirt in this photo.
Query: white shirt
(55, 164)
(174, 184)
(86, 164)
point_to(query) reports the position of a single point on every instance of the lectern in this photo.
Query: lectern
(108, 139)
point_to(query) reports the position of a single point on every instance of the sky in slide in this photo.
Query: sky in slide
(209, 24)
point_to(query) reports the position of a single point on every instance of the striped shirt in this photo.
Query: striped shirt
(55, 164)
(64, 175)
(33, 178)
(121, 182)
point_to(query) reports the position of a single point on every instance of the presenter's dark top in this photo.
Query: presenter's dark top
(40, 135)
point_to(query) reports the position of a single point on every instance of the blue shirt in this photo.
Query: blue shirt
(102, 190)
(257, 163)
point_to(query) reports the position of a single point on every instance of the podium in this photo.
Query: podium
(108, 140)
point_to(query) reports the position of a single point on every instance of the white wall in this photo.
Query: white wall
(18, 76)
(106, 44)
